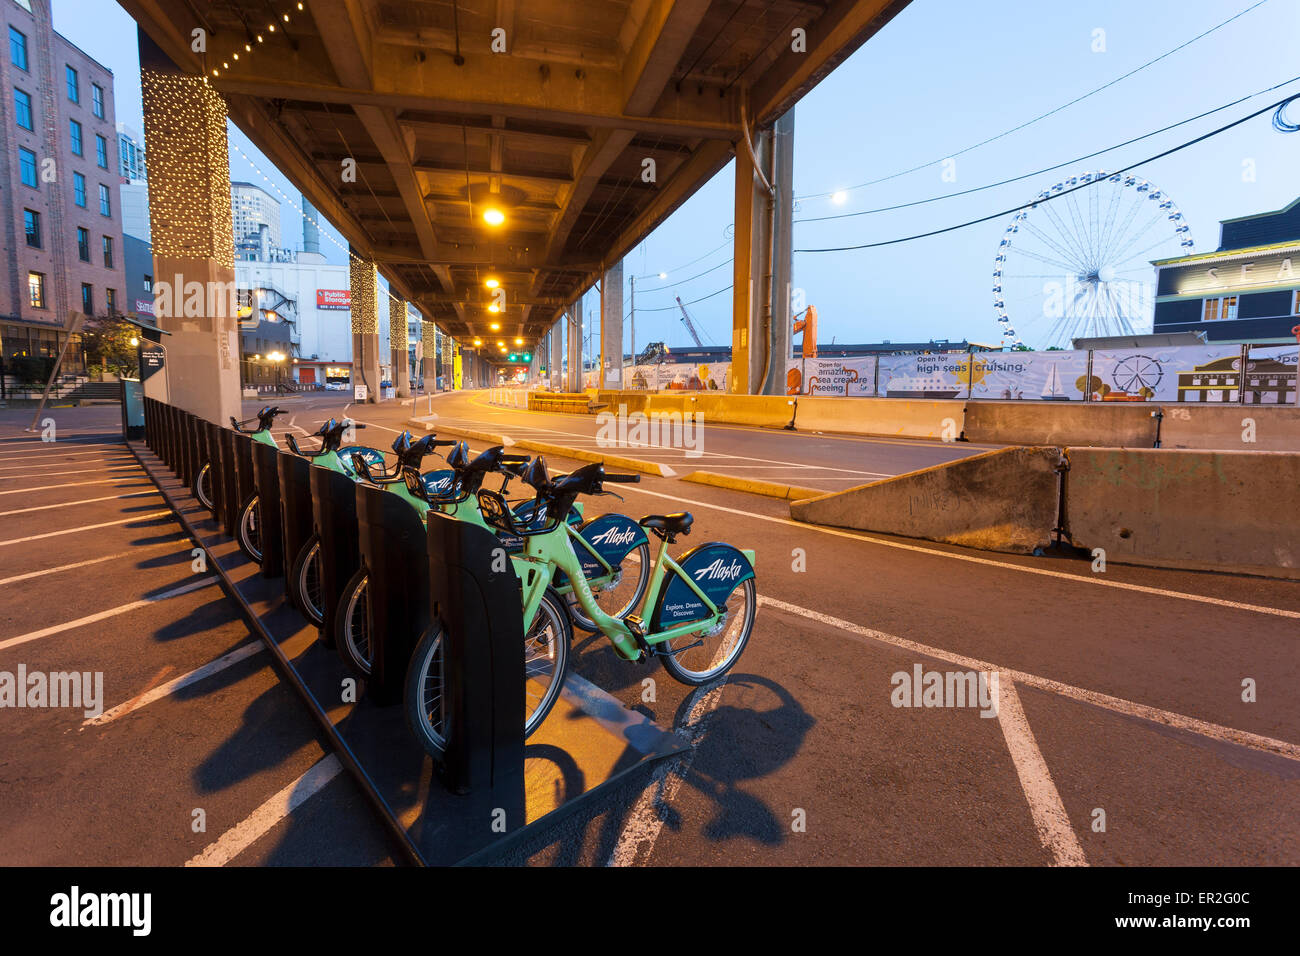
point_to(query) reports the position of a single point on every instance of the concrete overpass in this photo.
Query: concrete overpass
(583, 125)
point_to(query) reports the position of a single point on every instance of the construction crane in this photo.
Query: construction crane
(686, 319)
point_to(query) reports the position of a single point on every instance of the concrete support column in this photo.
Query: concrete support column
(761, 277)
(555, 356)
(574, 377)
(400, 347)
(430, 369)
(611, 327)
(194, 256)
(364, 282)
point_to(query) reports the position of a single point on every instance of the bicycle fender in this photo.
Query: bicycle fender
(438, 482)
(716, 568)
(613, 537)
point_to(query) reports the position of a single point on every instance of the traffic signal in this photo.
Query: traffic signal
(528, 356)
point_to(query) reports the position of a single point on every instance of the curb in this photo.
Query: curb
(753, 486)
(488, 437)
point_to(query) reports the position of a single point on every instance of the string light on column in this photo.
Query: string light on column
(397, 335)
(364, 280)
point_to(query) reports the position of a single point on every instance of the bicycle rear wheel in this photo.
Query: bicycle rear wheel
(722, 644)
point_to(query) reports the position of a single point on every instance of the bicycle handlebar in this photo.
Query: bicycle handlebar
(625, 479)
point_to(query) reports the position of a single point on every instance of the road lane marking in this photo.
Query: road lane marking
(135, 551)
(1128, 708)
(112, 461)
(646, 819)
(1045, 806)
(971, 559)
(53, 452)
(89, 527)
(262, 820)
(77, 484)
(79, 501)
(172, 686)
(104, 615)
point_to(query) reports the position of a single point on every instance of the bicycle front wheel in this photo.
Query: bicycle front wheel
(352, 624)
(720, 645)
(250, 535)
(306, 581)
(203, 486)
(546, 658)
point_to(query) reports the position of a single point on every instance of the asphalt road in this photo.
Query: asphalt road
(186, 750)
(1120, 735)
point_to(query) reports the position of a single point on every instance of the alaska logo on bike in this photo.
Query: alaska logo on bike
(438, 483)
(717, 569)
(611, 536)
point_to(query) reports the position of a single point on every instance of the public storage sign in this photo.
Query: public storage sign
(334, 299)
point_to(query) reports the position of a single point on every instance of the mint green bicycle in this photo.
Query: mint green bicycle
(696, 617)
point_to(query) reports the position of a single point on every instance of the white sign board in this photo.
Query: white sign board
(359, 393)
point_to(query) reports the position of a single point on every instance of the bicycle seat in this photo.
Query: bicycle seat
(677, 523)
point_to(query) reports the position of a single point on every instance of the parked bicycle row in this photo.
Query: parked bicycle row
(694, 613)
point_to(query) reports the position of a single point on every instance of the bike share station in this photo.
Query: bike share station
(492, 786)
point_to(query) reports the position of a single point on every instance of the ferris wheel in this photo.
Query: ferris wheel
(1080, 265)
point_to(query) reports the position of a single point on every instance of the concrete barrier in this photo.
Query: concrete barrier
(1112, 424)
(1003, 500)
(1213, 510)
(1232, 427)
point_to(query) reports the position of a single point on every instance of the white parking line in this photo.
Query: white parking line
(55, 474)
(1050, 819)
(88, 527)
(104, 615)
(1243, 738)
(46, 454)
(172, 686)
(79, 501)
(646, 819)
(135, 551)
(78, 484)
(262, 820)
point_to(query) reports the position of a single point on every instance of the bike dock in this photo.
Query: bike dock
(493, 787)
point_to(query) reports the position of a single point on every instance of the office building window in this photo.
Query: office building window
(79, 189)
(36, 290)
(97, 99)
(110, 301)
(108, 252)
(32, 224)
(87, 298)
(18, 48)
(101, 151)
(105, 201)
(74, 85)
(1224, 308)
(74, 133)
(83, 244)
(27, 167)
(23, 109)
(148, 283)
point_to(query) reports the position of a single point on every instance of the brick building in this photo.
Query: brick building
(61, 237)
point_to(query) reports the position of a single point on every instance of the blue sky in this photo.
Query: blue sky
(942, 76)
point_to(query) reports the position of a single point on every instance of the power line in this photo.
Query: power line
(1065, 192)
(672, 285)
(1053, 112)
(673, 308)
(1048, 169)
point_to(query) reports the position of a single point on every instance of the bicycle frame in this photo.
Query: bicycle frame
(551, 550)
